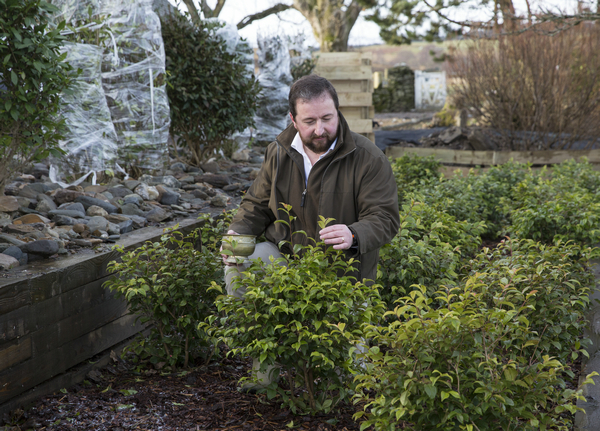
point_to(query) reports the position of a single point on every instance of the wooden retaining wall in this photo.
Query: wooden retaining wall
(351, 75)
(57, 315)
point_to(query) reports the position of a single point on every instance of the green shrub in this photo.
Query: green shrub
(411, 171)
(554, 280)
(561, 207)
(166, 283)
(32, 75)
(287, 318)
(476, 197)
(210, 96)
(466, 365)
(429, 250)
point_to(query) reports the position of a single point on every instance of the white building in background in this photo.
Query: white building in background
(430, 89)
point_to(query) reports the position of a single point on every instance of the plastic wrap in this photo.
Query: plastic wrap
(275, 80)
(133, 78)
(74, 11)
(91, 141)
(235, 44)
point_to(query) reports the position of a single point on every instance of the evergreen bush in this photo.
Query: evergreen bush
(32, 75)
(166, 284)
(210, 95)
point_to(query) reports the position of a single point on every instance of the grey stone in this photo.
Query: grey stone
(125, 226)
(95, 210)
(11, 240)
(166, 196)
(36, 235)
(8, 204)
(81, 242)
(4, 246)
(131, 184)
(133, 198)
(7, 262)
(152, 193)
(113, 229)
(43, 247)
(114, 237)
(138, 222)
(73, 206)
(107, 195)
(142, 190)
(186, 180)
(63, 196)
(16, 252)
(241, 155)
(210, 167)
(88, 201)
(195, 170)
(63, 251)
(450, 135)
(66, 213)
(45, 203)
(5, 219)
(219, 201)
(167, 180)
(97, 223)
(257, 160)
(26, 202)
(199, 194)
(117, 218)
(119, 192)
(157, 215)
(30, 192)
(132, 209)
(178, 167)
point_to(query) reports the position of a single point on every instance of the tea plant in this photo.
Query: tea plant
(287, 319)
(554, 280)
(464, 365)
(166, 284)
(429, 250)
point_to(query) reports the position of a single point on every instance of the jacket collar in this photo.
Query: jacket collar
(344, 146)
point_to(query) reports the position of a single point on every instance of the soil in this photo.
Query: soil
(118, 398)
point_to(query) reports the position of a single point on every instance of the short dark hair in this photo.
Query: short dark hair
(308, 88)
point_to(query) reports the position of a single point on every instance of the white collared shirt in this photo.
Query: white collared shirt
(298, 146)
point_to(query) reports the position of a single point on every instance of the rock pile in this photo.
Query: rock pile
(39, 219)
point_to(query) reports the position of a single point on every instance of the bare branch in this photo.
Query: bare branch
(193, 11)
(218, 7)
(265, 13)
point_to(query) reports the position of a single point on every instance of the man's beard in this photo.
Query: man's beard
(318, 147)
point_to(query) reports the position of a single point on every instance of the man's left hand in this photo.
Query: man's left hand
(337, 235)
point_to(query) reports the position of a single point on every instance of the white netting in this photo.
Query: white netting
(275, 79)
(90, 141)
(133, 77)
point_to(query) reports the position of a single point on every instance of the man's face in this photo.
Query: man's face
(317, 122)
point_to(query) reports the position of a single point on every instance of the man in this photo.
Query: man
(319, 167)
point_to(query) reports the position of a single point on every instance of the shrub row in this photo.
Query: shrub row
(473, 338)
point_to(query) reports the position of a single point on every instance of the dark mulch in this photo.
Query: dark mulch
(118, 398)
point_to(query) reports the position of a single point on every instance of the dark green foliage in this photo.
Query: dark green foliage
(553, 279)
(210, 95)
(166, 283)
(428, 250)
(32, 75)
(399, 95)
(412, 172)
(289, 317)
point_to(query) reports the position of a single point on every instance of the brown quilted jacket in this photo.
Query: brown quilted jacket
(353, 184)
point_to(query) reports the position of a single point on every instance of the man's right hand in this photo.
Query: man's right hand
(224, 256)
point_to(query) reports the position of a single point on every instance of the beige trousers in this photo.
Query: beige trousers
(264, 251)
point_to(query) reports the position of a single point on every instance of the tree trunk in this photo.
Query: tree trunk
(330, 20)
(508, 15)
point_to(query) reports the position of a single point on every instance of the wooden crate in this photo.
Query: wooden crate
(351, 75)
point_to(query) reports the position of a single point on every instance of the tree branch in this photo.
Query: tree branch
(260, 15)
(193, 11)
(218, 7)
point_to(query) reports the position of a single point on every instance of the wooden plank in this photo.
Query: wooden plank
(64, 331)
(345, 58)
(355, 99)
(344, 72)
(16, 324)
(353, 85)
(491, 158)
(361, 126)
(67, 379)
(16, 380)
(15, 353)
(14, 297)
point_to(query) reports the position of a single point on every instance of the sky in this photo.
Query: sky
(291, 22)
